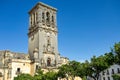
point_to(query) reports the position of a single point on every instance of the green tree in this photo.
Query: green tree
(50, 76)
(24, 77)
(38, 75)
(116, 50)
(109, 58)
(116, 77)
(85, 70)
(97, 65)
(71, 69)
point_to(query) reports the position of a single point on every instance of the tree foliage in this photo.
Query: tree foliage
(50, 76)
(24, 77)
(38, 75)
(97, 65)
(90, 68)
(116, 51)
(109, 58)
(71, 69)
(116, 77)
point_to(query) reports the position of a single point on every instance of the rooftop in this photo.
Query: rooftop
(43, 4)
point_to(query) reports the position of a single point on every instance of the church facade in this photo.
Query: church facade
(43, 46)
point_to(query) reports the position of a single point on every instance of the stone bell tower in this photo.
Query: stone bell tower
(43, 48)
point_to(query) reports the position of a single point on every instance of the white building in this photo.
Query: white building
(107, 74)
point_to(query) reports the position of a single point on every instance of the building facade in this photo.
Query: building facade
(107, 74)
(43, 46)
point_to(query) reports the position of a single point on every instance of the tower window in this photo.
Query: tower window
(48, 17)
(52, 18)
(43, 17)
(34, 18)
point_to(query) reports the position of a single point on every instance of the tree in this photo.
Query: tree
(38, 75)
(116, 51)
(109, 58)
(85, 70)
(97, 65)
(46, 76)
(71, 69)
(50, 76)
(116, 77)
(24, 77)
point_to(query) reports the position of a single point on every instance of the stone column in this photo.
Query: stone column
(30, 21)
(39, 16)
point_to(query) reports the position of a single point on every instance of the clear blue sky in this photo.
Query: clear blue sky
(86, 27)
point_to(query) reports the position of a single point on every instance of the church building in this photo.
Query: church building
(42, 46)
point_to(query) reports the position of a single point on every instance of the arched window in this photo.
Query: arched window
(53, 22)
(52, 19)
(48, 17)
(43, 17)
(31, 20)
(48, 62)
(34, 18)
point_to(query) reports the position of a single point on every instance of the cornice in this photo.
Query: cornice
(44, 5)
(33, 30)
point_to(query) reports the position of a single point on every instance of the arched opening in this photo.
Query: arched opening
(48, 17)
(43, 17)
(52, 19)
(48, 62)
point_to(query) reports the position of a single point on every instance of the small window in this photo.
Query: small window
(52, 18)
(112, 71)
(103, 73)
(108, 78)
(118, 69)
(43, 17)
(103, 78)
(47, 17)
(107, 72)
(18, 69)
(18, 57)
(37, 67)
(34, 18)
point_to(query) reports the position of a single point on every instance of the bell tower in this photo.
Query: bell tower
(42, 35)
